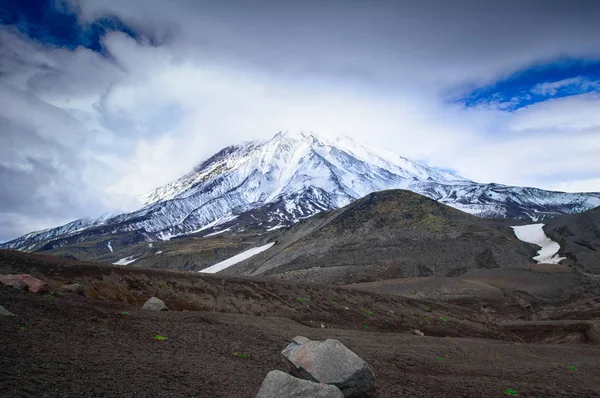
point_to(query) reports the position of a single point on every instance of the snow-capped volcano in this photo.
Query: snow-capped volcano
(274, 183)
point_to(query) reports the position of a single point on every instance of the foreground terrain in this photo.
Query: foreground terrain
(102, 344)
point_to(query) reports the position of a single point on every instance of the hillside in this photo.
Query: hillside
(68, 344)
(579, 239)
(386, 235)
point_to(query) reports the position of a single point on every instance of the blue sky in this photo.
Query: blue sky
(556, 79)
(53, 23)
(104, 100)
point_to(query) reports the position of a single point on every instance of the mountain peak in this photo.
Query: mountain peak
(292, 176)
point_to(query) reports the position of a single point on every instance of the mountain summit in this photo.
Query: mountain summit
(275, 183)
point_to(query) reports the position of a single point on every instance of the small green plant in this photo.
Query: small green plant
(395, 349)
(124, 313)
(21, 328)
(366, 312)
(393, 366)
(366, 327)
(440, 359)
(498, 357)
(468, 317)
(443, 319)
(426, 318)
(335, 299)
(428, 309)
(238, 354)
(165, 286)
(303, 300)
(511, 392)
(160, 338)
(572, 367)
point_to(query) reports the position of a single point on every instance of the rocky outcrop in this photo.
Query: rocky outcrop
(33, 284)
(329, 362)
(74, 288)
(155, 304)
(281, 384)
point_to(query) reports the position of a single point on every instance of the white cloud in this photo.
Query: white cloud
(99, 132)
(575, 84)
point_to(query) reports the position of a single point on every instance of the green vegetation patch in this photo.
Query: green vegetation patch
(160, 338)
(366, 312)
(239, 354)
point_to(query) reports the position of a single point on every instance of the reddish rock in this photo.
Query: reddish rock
(35, 285)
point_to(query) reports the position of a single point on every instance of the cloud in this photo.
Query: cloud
(572, 85)
(83, 133)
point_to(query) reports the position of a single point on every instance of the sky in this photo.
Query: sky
(102, 100)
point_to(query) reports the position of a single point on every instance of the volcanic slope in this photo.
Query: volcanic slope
(579, 239)
(265, 185)
(387, 235)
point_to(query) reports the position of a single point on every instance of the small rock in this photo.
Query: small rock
(75, 288)
(322, 326)
(593, 332)
(4, 311)
(281, 384)
(34, 285)
(329, 362)
(155, 304)
(418, 332)
(17, 284)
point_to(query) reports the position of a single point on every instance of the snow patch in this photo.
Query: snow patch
(217, 233)
(534, 233)
(126, 260)
(158, 252)
(236, 259)
(276, 227)
(110, 247)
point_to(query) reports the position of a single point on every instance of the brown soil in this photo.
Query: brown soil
(69, 345)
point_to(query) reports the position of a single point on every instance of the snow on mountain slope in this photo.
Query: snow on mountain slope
(264, 184)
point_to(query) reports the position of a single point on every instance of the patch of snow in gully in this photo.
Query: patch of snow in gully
(110, 247)
(126, 261)
(236, 259)
(217, 233)
(534, 233)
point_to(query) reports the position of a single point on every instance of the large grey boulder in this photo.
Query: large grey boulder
(155, 304)
(4, 311)
(281, 385)
(329, 362)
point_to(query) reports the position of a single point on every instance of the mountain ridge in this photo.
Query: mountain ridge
(291, 177)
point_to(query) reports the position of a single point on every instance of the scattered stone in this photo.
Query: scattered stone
(329, 362)
(155, 304)
(322, 326)
(33, 284)
(75, 288)
(418, 332)
(592, 333)
(281, 384)
(16, 283)
(4, 311)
